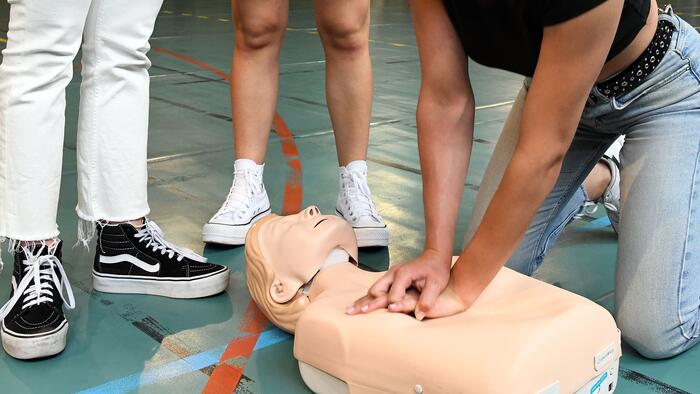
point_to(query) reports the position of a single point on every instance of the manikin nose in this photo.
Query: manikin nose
(312, 210)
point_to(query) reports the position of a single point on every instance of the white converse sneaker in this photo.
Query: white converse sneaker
(246, 203)
(355, 205)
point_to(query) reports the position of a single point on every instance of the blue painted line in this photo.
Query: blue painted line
(598, 223)
(163, 372)
(180, 367)
(271, 337)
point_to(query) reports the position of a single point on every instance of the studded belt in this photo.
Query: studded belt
(636, 73)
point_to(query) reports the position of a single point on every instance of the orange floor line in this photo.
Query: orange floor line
(225, 378)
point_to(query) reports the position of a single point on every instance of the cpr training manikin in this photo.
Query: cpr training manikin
(521, 336)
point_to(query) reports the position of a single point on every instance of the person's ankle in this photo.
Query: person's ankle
(360, 164)
(134, 222)
(246, 163)
(606, 177)
(597, 181)
(48, 242)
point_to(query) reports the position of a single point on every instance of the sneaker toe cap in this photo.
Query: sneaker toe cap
(36, 320)
(205, 269)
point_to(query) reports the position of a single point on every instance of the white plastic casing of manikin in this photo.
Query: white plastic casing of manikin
(521, 336)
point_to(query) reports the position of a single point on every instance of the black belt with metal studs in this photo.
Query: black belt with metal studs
(636, 73)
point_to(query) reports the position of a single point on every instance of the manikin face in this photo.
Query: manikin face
(296, 246)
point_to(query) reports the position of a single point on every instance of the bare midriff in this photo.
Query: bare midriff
(635, 48)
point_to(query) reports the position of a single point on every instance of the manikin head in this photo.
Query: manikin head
(283, 253)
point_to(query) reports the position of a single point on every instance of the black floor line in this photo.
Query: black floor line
(410, 169)
(215, 115)
(649, 382)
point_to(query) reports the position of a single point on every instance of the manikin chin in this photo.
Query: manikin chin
(520, 336)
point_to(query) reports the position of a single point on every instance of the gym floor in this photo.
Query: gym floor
(122, 343)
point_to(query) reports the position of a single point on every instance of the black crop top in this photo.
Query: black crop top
(507, 34)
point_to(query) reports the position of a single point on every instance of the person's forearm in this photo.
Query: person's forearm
(571, 57)
(444, 141)
(527, 181)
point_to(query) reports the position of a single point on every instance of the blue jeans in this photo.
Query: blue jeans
(657, 284)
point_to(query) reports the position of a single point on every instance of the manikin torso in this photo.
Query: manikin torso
(521, 335)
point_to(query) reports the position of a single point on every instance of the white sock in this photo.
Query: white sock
(357, 165)
(245, 164)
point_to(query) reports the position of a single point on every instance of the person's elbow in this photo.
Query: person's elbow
(543, 158)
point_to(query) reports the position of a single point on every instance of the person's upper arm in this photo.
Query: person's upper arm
(444, 74)
(571, 58)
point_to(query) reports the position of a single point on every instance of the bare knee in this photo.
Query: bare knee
(259, 33)
(347, 34)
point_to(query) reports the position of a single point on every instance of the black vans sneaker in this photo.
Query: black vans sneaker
(139, 260)
(33, 324)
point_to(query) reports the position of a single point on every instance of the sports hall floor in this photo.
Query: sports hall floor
(123, 343)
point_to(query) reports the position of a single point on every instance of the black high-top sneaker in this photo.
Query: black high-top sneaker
(33, 323)
(139, 260)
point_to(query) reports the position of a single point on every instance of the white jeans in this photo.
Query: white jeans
(37, 65)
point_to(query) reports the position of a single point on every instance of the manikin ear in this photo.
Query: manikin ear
(277, 288)
(283, 291)
(294, 268)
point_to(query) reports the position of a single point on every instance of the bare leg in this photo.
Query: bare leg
(259, 26)
(136, 222)
(48, 242)
(597, 181)
(344, 29)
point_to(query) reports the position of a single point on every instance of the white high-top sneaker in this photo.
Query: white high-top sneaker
(355, 205)
(246, 203)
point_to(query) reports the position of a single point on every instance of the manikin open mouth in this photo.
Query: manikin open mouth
(319, 222)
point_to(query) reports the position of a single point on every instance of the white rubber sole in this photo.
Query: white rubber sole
(173, 288)
(27, 348)
(225, 234)
(367, 237)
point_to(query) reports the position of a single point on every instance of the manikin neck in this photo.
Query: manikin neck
(336, 257)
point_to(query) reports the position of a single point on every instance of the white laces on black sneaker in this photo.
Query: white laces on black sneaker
(246, 184)
(357, 196)
(38, 281)
(154, 237)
